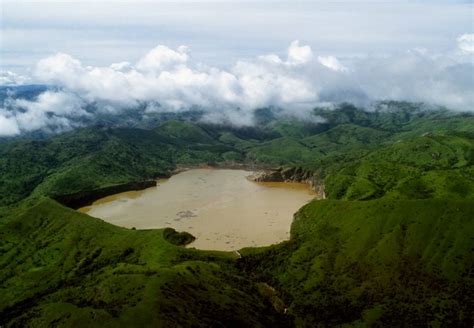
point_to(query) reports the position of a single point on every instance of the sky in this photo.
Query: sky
(225, 55)
(220, 32)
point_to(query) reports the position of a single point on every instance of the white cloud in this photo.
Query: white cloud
(332, 63)
(161, 58)
(51, 110)
(419, 77)
(271, 58)
(8, 125)
(11, 78)
(299, 54)
(57, 68)
(122, 66)
(466, 43)
(54, 103)
(167, 76)
(168, 79)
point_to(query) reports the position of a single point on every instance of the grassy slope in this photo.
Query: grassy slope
(424, 167)
(92, 158)
(63, 267)
(385, 261)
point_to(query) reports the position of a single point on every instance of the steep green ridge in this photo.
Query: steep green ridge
(391, 246)
(62, 267)
(424, 167)
(390, 262)
(92, 158)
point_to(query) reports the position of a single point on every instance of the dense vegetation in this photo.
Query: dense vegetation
(392, 244)
(383, 262)
(60, 267)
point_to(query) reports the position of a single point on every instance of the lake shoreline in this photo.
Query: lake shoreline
(261, 173)
(88, 197)
(251, 167)
(222, 208)
(267, 173)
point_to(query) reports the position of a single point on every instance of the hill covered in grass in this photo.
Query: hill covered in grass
(383, 262)
(391, 245)
(61, 267)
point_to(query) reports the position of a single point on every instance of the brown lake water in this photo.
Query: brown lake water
(221, 208)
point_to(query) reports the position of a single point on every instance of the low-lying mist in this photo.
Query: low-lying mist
(168, 81)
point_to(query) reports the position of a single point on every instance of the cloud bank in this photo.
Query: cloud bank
(466, 43)
(168, 80)
(12, 78)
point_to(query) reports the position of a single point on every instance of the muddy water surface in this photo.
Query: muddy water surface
(221, 208)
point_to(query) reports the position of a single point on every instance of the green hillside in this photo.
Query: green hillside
(392, 245)
(64, 268)
(386, 262)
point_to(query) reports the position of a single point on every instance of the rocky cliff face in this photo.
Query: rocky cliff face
(292, 174)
